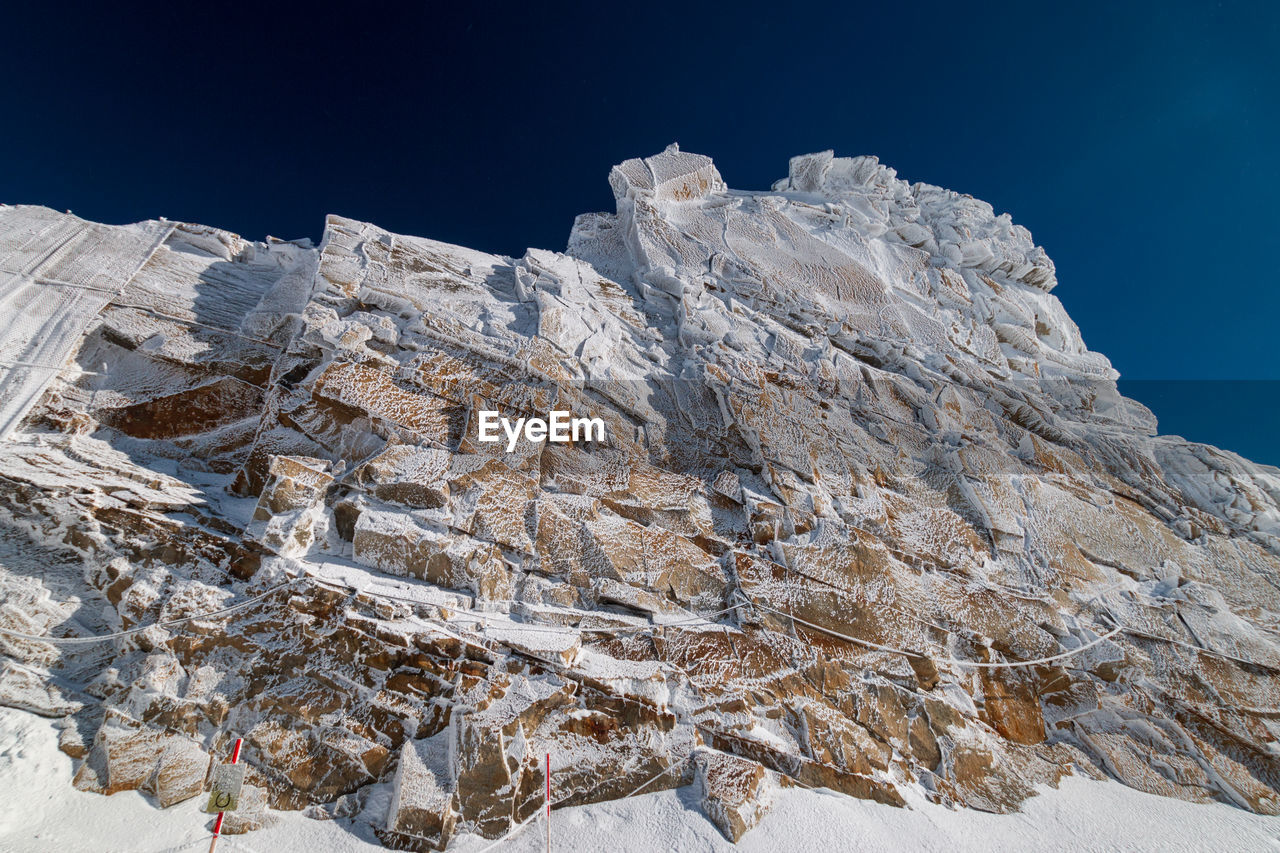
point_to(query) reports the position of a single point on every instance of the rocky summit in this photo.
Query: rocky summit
(867, 515)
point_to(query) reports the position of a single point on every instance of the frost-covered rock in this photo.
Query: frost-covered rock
(854, 447)
(291, 504)
(735, 792)
(424, 803)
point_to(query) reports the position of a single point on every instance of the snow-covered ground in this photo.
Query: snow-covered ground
(39, 811)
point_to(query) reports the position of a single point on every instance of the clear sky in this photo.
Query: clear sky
(1137, 141)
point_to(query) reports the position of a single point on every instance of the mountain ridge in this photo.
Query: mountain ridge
(870, 515)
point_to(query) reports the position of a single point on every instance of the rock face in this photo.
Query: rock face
(424, 805)
(735, 791)
(867, 513)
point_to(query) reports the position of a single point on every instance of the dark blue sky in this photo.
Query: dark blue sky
(1138, 142)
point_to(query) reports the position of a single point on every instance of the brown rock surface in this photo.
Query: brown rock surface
(735, 792)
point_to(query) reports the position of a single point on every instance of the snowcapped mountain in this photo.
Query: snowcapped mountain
(866, 515)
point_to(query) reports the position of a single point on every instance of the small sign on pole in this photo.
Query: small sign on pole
(224, 797)
(228, 779)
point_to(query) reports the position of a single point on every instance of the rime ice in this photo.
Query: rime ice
(850, 445)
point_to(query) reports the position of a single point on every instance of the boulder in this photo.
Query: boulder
(735, 792)
(424, 798)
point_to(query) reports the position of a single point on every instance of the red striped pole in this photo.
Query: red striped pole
(548, 802)
(217, 824)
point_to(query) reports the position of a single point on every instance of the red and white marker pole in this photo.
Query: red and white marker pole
(548, 802)
(217, 824)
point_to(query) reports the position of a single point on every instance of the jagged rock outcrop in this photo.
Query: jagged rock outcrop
(734, 791)
(867, 514)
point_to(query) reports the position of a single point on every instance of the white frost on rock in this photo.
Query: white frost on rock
(854, 445)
